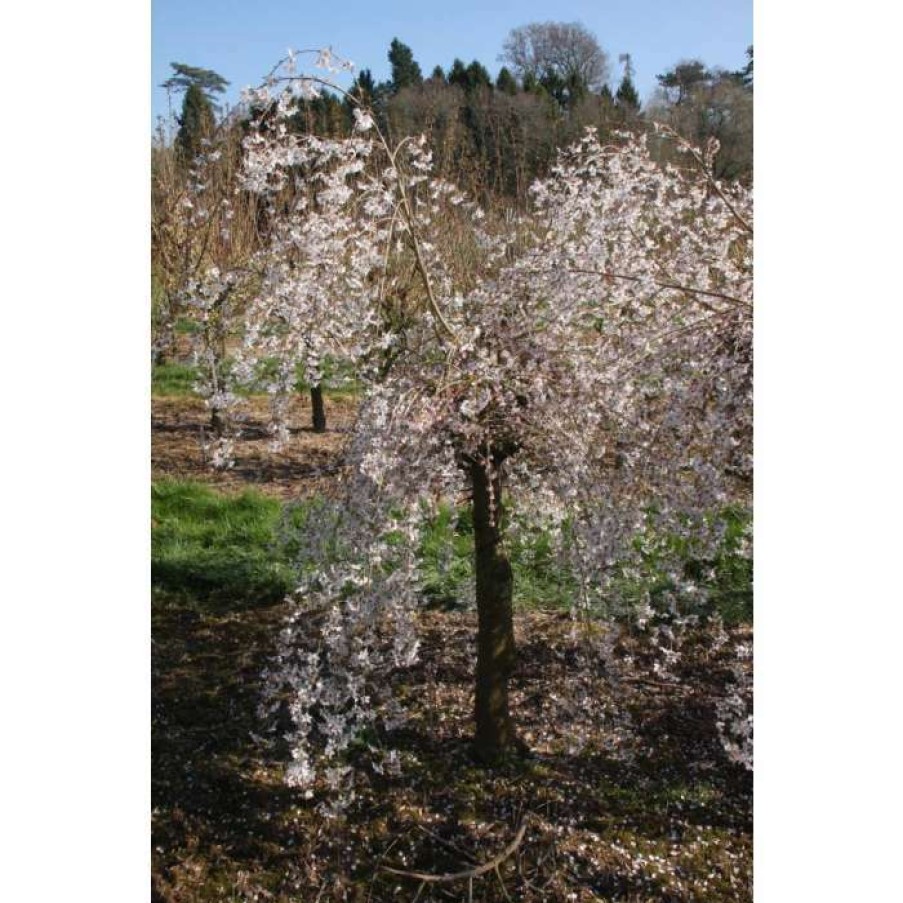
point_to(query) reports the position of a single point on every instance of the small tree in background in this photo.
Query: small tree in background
(204, 234)
(626, 98)
(199, 106)
(701, 104)
(196, 123)
(506, 82)
(405, 69)
(680, 81)
(564, 57)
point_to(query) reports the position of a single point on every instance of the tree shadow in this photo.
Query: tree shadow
(211, 800)
(219, 801)
(218, 584)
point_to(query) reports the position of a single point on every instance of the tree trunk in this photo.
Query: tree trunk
(319, 411)
(495, 634)
(217, 423)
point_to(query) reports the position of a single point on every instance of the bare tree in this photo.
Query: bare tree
(564, 51)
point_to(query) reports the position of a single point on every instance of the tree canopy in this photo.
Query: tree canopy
(186, 77)
(558, 54)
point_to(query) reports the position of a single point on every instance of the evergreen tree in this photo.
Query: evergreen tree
(457, 75)
(626, 98)
(684, 78)
(195, 124)
(363, 87)
(198, 106)
(405, 69)
(186, 76)
(468, 78)
(745, 75)
(478, 76)
(506, 82)
(438, 76)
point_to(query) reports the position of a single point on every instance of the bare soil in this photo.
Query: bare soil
(309, 464)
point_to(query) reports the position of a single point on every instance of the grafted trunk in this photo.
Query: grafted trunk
(495, 633)
(319, 410)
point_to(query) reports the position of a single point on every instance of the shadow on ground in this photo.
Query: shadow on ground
(662, 817)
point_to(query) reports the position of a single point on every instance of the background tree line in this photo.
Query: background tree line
(495, 136)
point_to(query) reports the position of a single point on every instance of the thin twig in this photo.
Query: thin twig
(610, 274)
(467, 873)
(446, 843)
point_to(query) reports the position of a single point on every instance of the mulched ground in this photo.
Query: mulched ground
(309, 464)
(627, 794)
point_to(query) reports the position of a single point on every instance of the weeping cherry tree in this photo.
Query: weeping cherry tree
(597, 376)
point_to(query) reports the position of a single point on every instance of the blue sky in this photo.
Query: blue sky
(242, 40)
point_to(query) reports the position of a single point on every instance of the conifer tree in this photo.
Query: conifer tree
(185, 76)
(684, 78)
(626, 98)
(506, 82)
(364, 87)
(745, 75)
(195, 124)
(405, 69)
(457, 74)
(198, 106)
(478, 76)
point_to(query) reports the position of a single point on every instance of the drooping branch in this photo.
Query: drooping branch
(412, 231)
(706, 170)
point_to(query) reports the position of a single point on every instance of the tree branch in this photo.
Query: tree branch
(475, 872)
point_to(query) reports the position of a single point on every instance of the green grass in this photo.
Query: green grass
(178, 380)
(173, 379)
(217, 548)
(726, 576)
(447, 568)
(185, 326)
(243, 548)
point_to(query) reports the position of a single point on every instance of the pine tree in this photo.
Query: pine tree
(363, 87)
(185, 76)
(626, 97)
(198, 106)
(405, 69)
(685, 77)
(457, 75)
(478, 76)
(506, 82)
(195, 124)
(745, 75)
